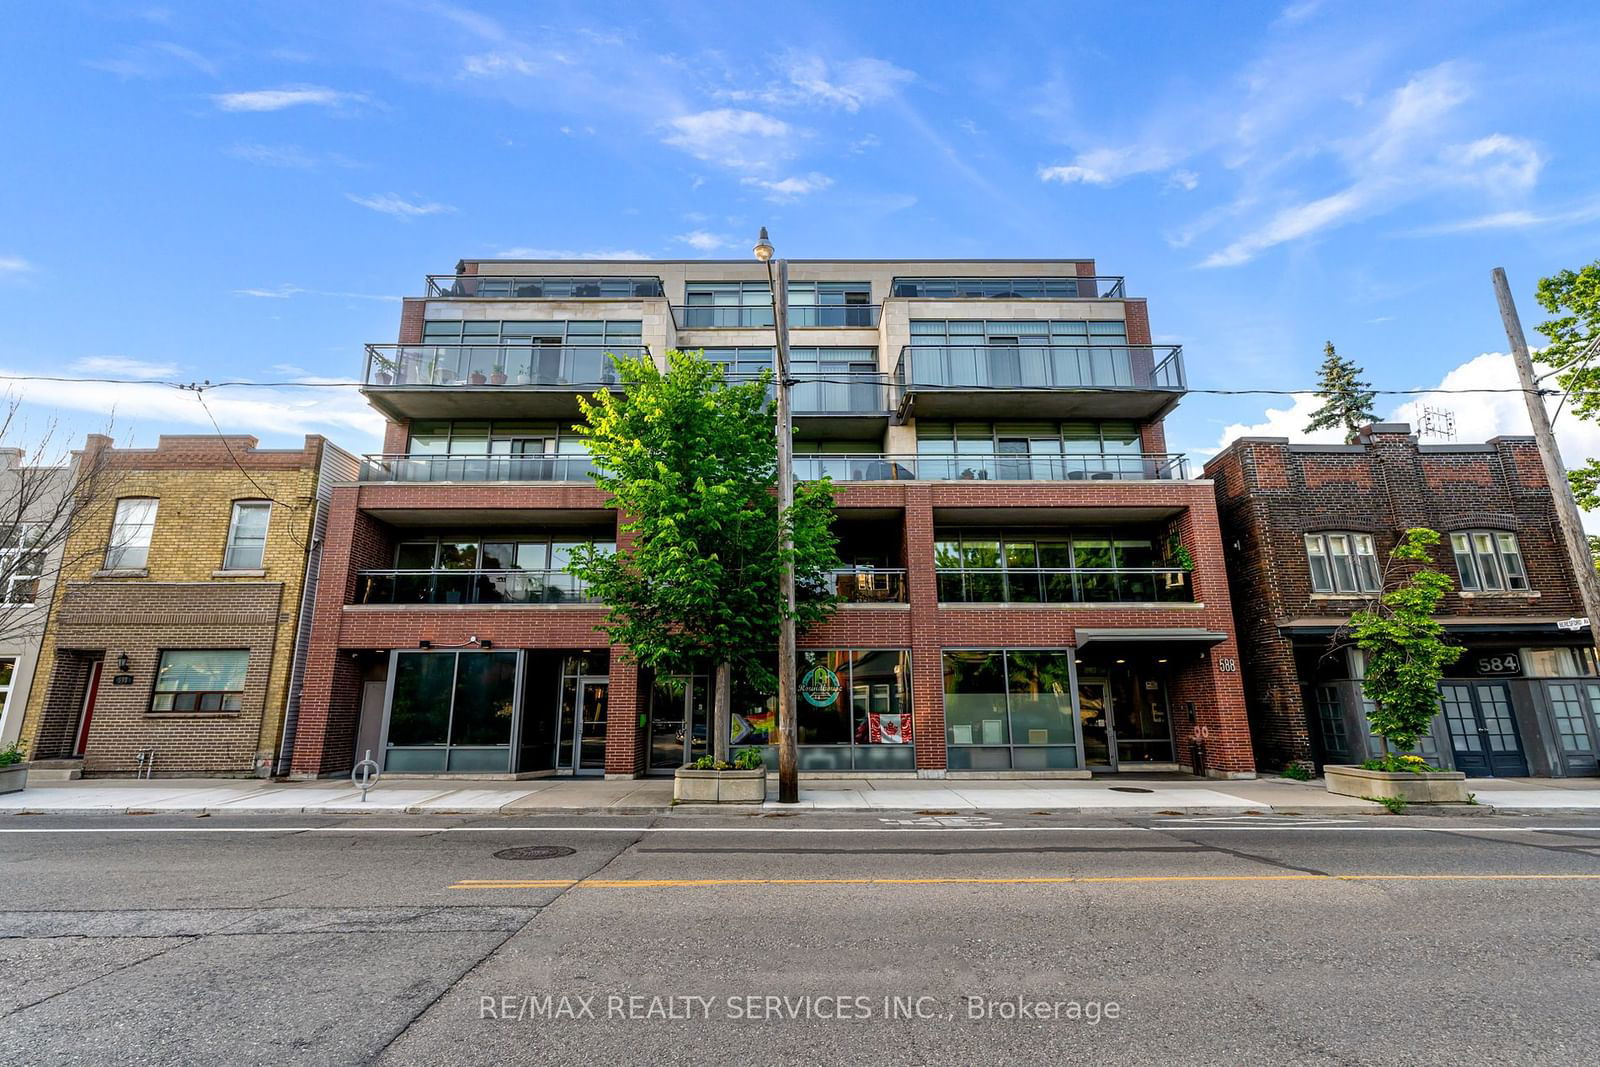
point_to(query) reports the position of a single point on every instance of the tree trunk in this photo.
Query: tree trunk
(722, 711)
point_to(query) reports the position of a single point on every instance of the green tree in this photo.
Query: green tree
(1404, 644)
(691, 461)
(1573, 298)
(1346, 399)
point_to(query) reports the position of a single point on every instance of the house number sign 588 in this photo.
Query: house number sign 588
(1227, 665)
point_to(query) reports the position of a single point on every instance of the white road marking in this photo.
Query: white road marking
(773, 829)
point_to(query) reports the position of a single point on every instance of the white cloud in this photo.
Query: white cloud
(524, 252)
(861, 144)
(273, 413)
(284, 292)
(1299, 11)
(398, 206)
(746, 140)
(493, 64)
(793, 188)
(282, 155)
(292, 96)
(704, 241)
(1186, 180)
(152, 60)
(1106, 166)
(14, 265)
(1288, 224)
(135, 368)
(1500, 163)
(1518, 219)
(850, 84)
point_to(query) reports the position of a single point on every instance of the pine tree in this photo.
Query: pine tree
(1346, 399)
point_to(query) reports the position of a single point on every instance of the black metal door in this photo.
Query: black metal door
(1575, 707)
(1483, 730)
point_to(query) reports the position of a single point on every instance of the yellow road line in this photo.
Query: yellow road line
(702, 883)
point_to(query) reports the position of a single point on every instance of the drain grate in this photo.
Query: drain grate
(534, 852)
(1130, 789)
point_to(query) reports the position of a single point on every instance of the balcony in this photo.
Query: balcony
(722, 317)
(469, 587)
(1018, 288)
(1040, 381)
(483, 381)
(1093, 467)
(841, 404)
(542, 287)
(476, 468)
(834, 316)
(1065, 586)
(869, 585)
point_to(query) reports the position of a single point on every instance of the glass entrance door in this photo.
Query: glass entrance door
(1094, 715)
(679, 722)
(1483, 732)
(591, 754)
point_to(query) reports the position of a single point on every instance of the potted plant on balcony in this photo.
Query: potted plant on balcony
(497, 376)
(477, 377)
(709, 780)
(1405, 657)
(383, 369)
(13, 769)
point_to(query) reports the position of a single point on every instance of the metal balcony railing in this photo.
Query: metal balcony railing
(1156, 368)
(1022, 288)
(869, 585)
(543, 287)
(1094, 467)
(469, 587)
(476, 468)
(578, 366)
(1082, 585)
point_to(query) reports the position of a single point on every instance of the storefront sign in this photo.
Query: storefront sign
(820, 687)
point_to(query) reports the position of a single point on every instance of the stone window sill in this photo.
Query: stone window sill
(127, 572)
(1344, 596)
(1490, 594)
(193, 714)
(256, 572)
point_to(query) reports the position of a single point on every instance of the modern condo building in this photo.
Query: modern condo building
(1034, 584)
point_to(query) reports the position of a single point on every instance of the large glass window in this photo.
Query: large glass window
(495, 332)
(1489, 561)
(209, 681)
(852, 710)
(1072, 450)
(1026, 288)
(726, 304)
(831, 304)
(1009, 709)
(247, 535)
(451, 711)
(494, 568)
(21, 563)
(1055, 566)
(1023, 332)
(131, 528)
(8, 668)
(1342, 563)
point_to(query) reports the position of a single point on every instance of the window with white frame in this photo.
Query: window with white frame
(21, 563)
(247, 535)
(1489, 561)
(201, 681)
(1342, 563)
(135, 520)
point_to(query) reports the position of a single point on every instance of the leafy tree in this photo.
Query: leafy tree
(1346, 399)
(691, 462)
(1573, 297)
(1404, 645)
(1594, 550)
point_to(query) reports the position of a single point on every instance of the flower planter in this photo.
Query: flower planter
(690, 786)
(497, 378)
(1430, 787)
(477, 378)
(13, 778)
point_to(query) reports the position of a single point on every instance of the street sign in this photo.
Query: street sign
(1573, 624)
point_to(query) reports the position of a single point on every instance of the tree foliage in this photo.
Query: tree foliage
(1346, 399)
(1404, 644)
(1573, 298)
(691, 462)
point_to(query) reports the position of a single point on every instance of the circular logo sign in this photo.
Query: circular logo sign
(820, 687)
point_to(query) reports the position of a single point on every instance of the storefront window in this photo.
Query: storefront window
(451, 711)
(1009, 710)
(852, 710)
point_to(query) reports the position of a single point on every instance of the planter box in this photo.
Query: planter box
(719, 787)
(13, 778)
(1435, 787)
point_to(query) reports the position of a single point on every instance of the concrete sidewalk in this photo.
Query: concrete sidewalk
(1125, 795)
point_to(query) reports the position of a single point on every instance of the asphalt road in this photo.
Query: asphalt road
(813, 939)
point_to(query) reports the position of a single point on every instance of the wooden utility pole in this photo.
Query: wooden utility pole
(1566, 506)
(788, 761)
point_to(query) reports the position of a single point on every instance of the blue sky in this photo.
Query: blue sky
(208, 191)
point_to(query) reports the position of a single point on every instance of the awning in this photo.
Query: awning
(1150, 635)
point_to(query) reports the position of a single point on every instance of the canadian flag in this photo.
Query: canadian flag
(886, 729)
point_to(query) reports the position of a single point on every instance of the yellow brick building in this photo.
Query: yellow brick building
(182, 603)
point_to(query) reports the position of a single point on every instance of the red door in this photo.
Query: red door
(88, 707)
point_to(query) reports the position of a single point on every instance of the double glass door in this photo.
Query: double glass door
(1483, 730)
(1124, 722)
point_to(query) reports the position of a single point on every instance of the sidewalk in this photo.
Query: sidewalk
(1127, 795)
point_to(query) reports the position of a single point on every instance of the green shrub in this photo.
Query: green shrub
(1297, 771)
(748, 759)
(11, 755)
(1400, 763)
(1396, 805)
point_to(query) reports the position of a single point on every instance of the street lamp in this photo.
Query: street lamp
(778, 283)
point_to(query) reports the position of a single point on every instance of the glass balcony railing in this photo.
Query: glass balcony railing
(1157, 368)
(542, 287)
(1022, 288)
(1064, 586)
(469, 587)
(727, 317)
(834, 316)
(1095, 467)
(843, 393)
(456, 365)
(476, 468)
(869, 585)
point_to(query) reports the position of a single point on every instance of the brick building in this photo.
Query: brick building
(1307, 530)
(180, 607)
(1034, 585)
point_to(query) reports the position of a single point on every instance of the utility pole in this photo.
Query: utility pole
(788, 756)
(1566, 507)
